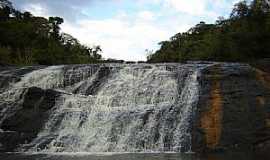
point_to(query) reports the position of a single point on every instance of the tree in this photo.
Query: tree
(5, 3)
(26, 40)
(240, 10)
(27, 15)
(95, 52)
(5, 9)
(244, 36)
(260, 7)
(55, 22)
(67, 39)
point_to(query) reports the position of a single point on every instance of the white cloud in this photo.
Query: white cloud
(127, 34)
(36, 9)
(146, 15)
(210, 8)
(193, 7)
(118, 38)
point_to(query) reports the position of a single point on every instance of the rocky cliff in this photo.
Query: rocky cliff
(233, 110)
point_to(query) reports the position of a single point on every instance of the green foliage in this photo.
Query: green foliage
(244, 36)
(27, 40)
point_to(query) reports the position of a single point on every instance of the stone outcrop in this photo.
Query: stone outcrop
(233, 110)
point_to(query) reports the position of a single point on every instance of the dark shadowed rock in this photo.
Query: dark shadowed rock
(25, 124)
(8, 139)
(102, 74)
(77, 73)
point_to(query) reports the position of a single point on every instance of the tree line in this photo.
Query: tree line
(244, 36)
(29, 40)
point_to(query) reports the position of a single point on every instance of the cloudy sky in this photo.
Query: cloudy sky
(126, 28)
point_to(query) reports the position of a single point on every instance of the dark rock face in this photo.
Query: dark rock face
(76, 73)
(102, 73)
(8, 139)
(25, 124)
(233, 110)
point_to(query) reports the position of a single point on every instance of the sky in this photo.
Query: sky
(126, 28)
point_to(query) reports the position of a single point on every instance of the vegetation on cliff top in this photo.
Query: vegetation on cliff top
(27, 40)
(244, 36)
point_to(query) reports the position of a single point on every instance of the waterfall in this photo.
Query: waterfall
(114, 107)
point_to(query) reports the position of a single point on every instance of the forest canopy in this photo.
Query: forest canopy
(29, 40)
(244, 36)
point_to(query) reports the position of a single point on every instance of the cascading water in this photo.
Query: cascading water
(114, 107)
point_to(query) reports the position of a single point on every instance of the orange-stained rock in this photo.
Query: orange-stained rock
(267, 122)
(260, 100)
(233, 109)
(263, 77)
(211, 120)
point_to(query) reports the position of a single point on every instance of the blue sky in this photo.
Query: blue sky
(126, 28)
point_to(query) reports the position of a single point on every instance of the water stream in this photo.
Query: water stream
(113, 107)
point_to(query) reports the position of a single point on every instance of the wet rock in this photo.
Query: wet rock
(8, 139)
(102, 74)
(233, 110)
(39, 99)
(30, 118)
(77, 73)
(11, 74)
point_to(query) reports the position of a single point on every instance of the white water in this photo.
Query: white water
(135, 108)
